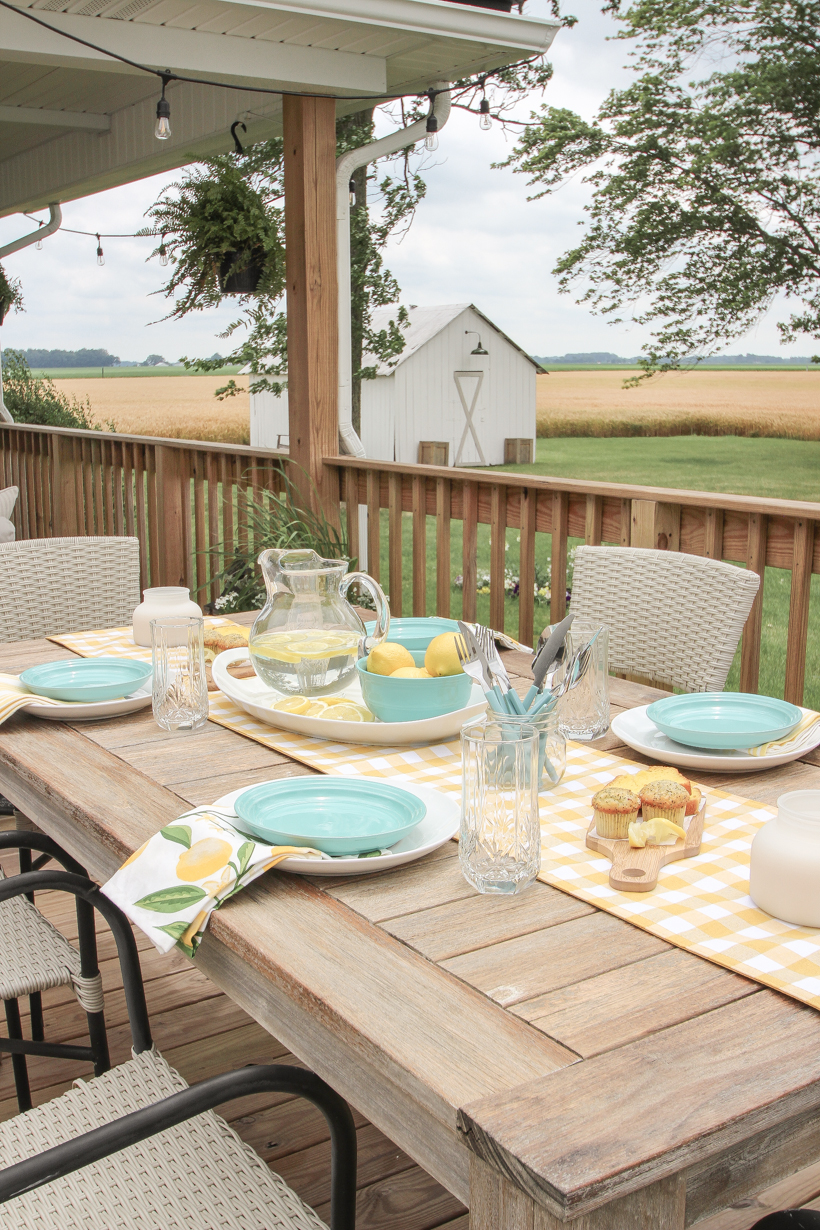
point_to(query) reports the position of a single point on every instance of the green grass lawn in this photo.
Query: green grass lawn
(783, 469)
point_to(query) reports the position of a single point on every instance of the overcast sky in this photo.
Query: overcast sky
(475, 238)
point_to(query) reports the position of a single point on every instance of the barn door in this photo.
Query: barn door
(470, 385)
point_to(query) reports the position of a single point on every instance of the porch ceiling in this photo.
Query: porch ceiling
(334, 46)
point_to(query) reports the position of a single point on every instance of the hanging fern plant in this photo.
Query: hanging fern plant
(223, 233)
(11, 295)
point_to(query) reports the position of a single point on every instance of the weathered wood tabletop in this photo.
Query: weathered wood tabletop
(545, 1061)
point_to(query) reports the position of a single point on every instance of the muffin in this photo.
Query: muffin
(653, 773)
(665, 799)
(614, 810)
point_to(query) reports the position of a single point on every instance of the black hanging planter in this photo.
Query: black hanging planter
(241, 272)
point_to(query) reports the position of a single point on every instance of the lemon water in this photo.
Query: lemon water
(308, 660)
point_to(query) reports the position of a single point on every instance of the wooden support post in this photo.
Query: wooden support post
(750, 644)
(498, 557)
(526, 568)
(63, 488)
(799, 610)
(419, 546)
(396, 544)
(655, 525)
(593, 520)
(558, 570)
(469, 551)
(312, 304)
(443, 547)
(173, 503)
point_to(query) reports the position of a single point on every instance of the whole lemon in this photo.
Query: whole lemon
(411, 672)
(388, 657)
(441, 657)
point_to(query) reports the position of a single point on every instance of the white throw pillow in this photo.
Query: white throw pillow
(8, 498)
(6, 530)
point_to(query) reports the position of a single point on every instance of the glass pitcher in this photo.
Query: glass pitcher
(307, 637)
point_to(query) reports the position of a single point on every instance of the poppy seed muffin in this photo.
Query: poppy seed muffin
(665, 799)
(614, 810)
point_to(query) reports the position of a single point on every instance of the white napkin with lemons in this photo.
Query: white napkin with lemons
(170, 886)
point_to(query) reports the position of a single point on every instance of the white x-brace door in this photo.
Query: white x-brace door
(469, 411)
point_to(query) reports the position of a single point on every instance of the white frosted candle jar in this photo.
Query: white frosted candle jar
(784, 871)
(163, 602)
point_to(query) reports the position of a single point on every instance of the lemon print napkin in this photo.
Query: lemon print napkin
(169, 886)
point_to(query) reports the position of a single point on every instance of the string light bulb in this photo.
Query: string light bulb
(485, 123)
(163, 251)
(431, 140)
(351, 188)
(38, 247)
(162, 128)
(100, 257)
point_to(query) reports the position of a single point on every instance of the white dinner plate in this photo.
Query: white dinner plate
(640, 733)
(439, 825)
(255, 697)
(80, 711)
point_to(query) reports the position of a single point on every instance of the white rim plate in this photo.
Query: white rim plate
(79, 711)
(438, 826)
(641, 734)
(255, 697)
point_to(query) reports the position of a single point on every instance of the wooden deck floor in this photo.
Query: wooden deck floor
(201, 1032)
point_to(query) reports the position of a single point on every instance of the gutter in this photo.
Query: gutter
(53, 224)
(346, 164)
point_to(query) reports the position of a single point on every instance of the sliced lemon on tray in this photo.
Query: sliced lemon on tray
(335, 708)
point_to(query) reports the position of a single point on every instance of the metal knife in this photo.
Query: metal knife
(546, 656)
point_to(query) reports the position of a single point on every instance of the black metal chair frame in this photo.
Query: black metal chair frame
(139, 1125)
(18, 1046)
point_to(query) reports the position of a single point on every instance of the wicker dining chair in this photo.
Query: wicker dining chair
(674, 620)
(93, 1158)
(50, 585)
(35, 956)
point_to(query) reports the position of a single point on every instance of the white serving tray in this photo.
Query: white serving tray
(640, 733)
(255, 697)
(439, 825)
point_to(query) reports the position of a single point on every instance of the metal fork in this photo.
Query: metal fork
(472, 667)
(486, 641)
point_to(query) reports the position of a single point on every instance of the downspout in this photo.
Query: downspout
(346, 164)
(53, 224)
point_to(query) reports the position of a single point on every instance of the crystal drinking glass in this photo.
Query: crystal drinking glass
(180, 693)
(583, 710)
(500, 839)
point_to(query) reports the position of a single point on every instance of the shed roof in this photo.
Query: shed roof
(426, 323)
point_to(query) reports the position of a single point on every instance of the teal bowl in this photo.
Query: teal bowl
(336, 815)
(412, 700)
(87, 679)
(415, 633)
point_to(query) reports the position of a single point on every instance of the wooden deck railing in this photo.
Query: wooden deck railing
(179, 497)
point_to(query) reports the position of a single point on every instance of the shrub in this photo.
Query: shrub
(36, 399)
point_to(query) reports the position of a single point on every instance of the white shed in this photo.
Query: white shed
(461, 393)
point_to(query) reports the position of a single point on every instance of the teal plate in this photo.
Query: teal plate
(331, 814)
(723, 720)
(88, 679)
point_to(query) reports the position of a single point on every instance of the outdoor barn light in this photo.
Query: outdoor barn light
(485, 123)
(100, 257)
(479, 348)
(162, 128)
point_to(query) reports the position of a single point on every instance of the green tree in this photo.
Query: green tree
(705, 193)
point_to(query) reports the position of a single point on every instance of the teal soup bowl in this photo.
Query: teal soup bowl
(412, 700)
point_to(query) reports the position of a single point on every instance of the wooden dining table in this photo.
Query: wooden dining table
(546, 1062)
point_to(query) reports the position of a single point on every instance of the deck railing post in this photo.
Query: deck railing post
(63, 488)
(750, 644)
(799, 610)
(172, 487)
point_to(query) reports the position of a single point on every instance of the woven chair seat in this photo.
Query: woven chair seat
(51, 585)
(197, 1176)
(674, 619)
(34, 955)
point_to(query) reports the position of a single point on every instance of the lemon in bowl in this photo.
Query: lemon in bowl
(387, 657)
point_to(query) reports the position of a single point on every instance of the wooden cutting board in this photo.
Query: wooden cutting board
(635, 869)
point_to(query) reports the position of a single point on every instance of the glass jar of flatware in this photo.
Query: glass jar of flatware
(180, 691)
(552, 746)
(500, 837)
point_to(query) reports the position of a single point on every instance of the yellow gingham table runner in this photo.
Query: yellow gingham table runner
(701, 904)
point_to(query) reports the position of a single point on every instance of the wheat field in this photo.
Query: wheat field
(569, 403)
(701, 402)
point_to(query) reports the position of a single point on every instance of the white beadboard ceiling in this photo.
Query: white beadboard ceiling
(340, 47)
